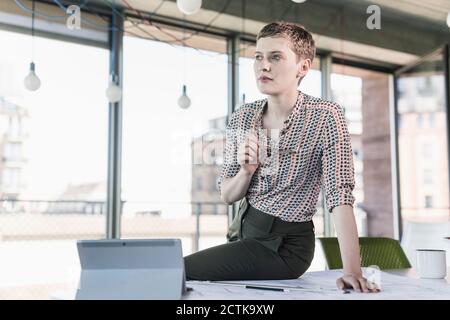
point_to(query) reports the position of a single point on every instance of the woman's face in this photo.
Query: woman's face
(276, 66)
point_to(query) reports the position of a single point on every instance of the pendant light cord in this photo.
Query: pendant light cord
(184, 49)
(32, 30)
(113, 43)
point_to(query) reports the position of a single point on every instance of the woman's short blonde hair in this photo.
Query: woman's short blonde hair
(301, 40)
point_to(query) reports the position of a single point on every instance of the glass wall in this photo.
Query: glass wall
(53, 145)
(422, 141)
(171, 155)
(364, 97)
(346, 90)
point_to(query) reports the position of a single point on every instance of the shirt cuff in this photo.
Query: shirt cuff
(340, 197)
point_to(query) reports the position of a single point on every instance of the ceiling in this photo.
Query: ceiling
(410, 28)
(433, 10)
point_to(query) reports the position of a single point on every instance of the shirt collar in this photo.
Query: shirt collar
(257, 120)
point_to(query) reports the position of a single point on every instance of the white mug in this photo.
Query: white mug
(431, 263)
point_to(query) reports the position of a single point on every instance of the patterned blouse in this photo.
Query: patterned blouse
(313, 148)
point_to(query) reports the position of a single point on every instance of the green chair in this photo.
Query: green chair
(385, 253)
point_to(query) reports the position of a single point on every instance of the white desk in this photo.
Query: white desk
(402, 284)
(412, 273)
(395, 284)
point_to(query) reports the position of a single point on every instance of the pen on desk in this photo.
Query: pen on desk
(281, 288)
(264, 288)
(346, 291)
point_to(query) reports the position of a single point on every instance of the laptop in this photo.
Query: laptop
(131, 269)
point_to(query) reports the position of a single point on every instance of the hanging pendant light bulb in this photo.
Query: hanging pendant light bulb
(32, 81)
(113, 92)
(299, 1)
(183, 101)
(448, 19)
(189, 6)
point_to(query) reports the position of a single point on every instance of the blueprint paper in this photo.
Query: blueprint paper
(322, 285)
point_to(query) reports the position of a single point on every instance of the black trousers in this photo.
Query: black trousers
(268, 248)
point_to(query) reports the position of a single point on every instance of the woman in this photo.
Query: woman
(279, 151)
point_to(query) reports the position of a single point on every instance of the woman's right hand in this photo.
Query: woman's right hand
(248, 154)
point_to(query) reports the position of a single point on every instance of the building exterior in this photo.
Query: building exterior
(207, 156)
(13, 136)
(423, 149)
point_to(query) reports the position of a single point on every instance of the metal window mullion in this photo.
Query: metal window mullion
(395, 168)
(113, 201)
(325, 68)
(447, 104)
(233, 93)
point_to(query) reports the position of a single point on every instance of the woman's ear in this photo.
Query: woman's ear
(305, 65)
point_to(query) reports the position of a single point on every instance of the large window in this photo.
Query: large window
(364, 97)
(172, 156)
(346, 90)
(53, 146)
(422, 141)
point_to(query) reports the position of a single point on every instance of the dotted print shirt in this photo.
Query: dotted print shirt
(312, 148)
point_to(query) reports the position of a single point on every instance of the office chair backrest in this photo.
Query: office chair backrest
(385, 253)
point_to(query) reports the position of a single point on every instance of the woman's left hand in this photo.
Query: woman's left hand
(356, 282)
